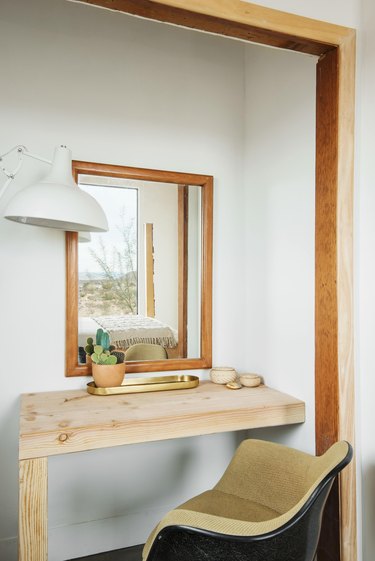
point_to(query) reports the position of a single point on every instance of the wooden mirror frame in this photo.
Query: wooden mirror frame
(335, 109)
(73, 367)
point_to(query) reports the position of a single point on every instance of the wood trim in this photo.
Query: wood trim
(73, 368)
(326, 312)
(334, 365)
(345, 187)
(142, 174)
(33, 504)
(207, 251)
(71, 335)
(242, 20)
(183, 217)
(334, 202)
(150, 287)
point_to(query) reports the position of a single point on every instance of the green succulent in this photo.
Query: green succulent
(99, 334)
(105, 341)
(102, 339)
(120, 355)
(102, 356)
(90, 346)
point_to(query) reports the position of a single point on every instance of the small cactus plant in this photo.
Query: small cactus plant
(120, 355)
(102, 339)
(102, 352)
(99, 334)
(102, 356)
(89, 349)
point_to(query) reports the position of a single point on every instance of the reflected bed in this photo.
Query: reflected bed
(128, 330)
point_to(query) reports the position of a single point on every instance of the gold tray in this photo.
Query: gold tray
(154, 384)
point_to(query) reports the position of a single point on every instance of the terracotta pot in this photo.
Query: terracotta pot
(108, 375)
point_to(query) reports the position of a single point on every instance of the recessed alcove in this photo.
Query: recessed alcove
(207, 104)
(186, 102)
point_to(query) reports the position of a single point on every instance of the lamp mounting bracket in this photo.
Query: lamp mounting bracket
(22, 151)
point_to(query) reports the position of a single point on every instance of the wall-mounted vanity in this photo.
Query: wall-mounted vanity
(74, 421)
(149, 278)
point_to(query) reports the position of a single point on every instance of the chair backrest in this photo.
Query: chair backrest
(146, 351)
(277, 476)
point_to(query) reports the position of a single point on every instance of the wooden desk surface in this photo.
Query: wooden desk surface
(61, 422)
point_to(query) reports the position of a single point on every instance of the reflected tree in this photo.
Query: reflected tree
(115, 292)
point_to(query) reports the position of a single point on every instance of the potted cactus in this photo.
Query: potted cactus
(101, 338)
(108, 365)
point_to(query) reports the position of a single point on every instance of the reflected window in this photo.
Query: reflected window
(108, 263)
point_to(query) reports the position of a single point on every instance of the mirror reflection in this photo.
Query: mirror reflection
(141, 280)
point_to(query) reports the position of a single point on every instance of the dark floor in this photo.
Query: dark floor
(128, 554)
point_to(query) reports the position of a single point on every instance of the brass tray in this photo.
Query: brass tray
(154, 384)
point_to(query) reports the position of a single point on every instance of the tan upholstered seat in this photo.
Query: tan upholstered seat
(263, 488)
(146, 351)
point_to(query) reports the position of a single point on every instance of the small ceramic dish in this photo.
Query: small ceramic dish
(223, 375)
(233, 385)
(250, 380)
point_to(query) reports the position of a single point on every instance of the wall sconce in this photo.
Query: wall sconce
(55, 201)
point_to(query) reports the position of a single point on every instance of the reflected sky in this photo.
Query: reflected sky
(120, 207)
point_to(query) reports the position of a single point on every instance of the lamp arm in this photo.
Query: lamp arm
(36, 157)
(22, 151)
(5, 186)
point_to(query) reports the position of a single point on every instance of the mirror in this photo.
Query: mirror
(148, 280)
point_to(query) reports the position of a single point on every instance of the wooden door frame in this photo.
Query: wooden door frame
(334, 365)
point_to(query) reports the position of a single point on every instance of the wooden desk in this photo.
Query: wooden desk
(61, 422)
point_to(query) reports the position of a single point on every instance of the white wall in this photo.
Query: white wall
(73, 76)
(124, 91)
(280, 214)
(194, 284)
(158, 205)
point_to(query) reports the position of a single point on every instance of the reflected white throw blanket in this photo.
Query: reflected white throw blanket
(128, 330)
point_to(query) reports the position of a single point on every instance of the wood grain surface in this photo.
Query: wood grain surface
(242, 20)
(33, 528)
(71, 421)
(346, 400)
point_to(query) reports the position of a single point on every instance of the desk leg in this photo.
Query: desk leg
(33, 505)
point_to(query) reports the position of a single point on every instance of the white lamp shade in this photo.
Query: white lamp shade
(57, 202)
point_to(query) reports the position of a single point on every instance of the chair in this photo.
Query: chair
(268, 506)
(146, 351)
